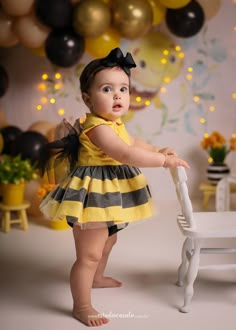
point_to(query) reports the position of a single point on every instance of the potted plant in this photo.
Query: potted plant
(217, 148)
(14, 172)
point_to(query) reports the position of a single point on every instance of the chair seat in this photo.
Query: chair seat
(210, 225)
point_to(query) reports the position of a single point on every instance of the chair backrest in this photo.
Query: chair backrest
(179, 177)
(223, 193)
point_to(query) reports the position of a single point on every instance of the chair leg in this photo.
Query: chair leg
(24, 220)
(186, 254)
(191, 276)
(6, 221)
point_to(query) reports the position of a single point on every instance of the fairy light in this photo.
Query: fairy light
(42, 87)
(44, 76)
(233, 135)
(212, 108)
(58, 86)
(163, 90)
(57, 75)
(181, 55)
(44, 100)
(52, 100)
(189, 77)
(210, 160)
(138, 99)
(196, 99)
(39, 107)
(177, 48)
(166, 79)
(165, 52)
(202, 120)
(163, 61)
(233, 95)
(147, 102)
(61, 111)
(206, 135)
(190, 69)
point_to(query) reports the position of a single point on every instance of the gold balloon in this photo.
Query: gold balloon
(30, 32)
(17, 7)
(41, 126)
(102, 45)
(91, 18)
(159, 12)
(132, 18)
(7, 36)
(174, 4)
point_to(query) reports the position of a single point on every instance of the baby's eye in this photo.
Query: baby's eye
(106, 89)
(123, 89)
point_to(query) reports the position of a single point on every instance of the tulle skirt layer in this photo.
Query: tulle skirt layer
(100, 196)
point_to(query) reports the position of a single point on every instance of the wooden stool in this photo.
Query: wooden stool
(209, 190)
(20, 210)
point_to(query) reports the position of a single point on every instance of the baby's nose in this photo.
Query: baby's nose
(117, 96)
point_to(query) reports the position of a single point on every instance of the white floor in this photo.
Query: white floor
(35, 293)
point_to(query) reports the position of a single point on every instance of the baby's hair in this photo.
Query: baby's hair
(88, 74)
(113, 59)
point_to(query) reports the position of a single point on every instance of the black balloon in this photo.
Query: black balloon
(54, 13)
(30, 145)
(186, 21)
(64, 48)
(3, 81)
(9, 135)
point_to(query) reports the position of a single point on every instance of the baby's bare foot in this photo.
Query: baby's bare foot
(90, 317)
(106, 282)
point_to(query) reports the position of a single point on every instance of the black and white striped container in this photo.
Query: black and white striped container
(216, 172)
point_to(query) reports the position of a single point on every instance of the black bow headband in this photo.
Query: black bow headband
(116, 58)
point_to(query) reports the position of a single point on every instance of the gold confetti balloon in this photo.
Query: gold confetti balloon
(91, 18)
(132, 18)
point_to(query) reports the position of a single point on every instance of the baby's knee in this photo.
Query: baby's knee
(91, 257)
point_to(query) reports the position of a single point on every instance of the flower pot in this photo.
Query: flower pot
(216, 172)
(13, 194)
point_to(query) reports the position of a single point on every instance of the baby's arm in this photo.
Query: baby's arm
(144, 145)
(107, 140)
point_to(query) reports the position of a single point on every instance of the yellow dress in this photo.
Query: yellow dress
(100, 191)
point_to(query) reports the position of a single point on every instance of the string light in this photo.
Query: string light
(196, 98)
(61, 111)
(42, 87)
(166, 79)
(165, 52)
(147, 102)
(44, 100)
(39, 107)
(52, 100)
(57, 75)
(190, 69)
(44, 76)
(189, 77)
(202, 120)
(163, 90)
(163, 61)
(233, 95)
(211, 108)
(138, 99)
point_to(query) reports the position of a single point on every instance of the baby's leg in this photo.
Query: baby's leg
(89, 246)
(100, 281)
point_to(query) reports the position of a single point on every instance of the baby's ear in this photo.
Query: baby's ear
(86, 99)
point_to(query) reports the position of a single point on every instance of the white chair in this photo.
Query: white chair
(197, 227)
(223, 193)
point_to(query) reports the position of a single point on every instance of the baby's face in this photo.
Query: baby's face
(109, 96)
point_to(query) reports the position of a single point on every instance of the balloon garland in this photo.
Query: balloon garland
(63, 30)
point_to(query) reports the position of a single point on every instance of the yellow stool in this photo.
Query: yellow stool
(20, 210)
(209, 190)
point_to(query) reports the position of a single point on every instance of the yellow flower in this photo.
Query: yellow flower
(217, 146)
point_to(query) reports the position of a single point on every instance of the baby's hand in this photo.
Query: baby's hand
(173, 161)
(168, 151)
